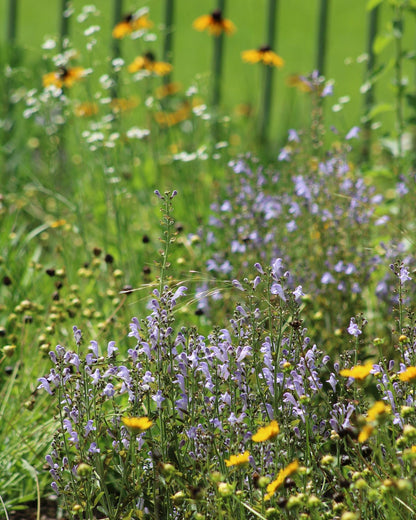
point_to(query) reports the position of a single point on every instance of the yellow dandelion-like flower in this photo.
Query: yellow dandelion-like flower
(281, 477)
(238, 460)
(58, 223)
(365, 433)
(408, 375)
(298, 82)
(148, 62)
(266, 433)
(263, 55)
(214, 23)
(131, 23)
(378, 408)
(64, 77)
(358, 372)
(137, 424)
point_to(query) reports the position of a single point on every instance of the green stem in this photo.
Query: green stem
(116, 48)
(268, 71)
(322, 36)
(168, 42)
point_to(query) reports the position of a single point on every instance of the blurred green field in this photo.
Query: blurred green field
(296, 43)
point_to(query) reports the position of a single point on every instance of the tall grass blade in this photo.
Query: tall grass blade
(268, 71)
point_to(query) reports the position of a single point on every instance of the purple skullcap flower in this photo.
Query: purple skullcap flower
(353, 133)
(241, 310)
(111, 348)
(327, 278)
(157, 193)
(256, 281)
(291, 226)
(298, 293)
(277, 267)
(158, 398)
(179, 292)
(276, 288)
(77, 335)
(93, 448)
(109, 390)
(293, 136)
(404, 275)
(353, 328)
(54, 486)
(89, 427)
(401, 189)
(44, 383)
(284, 154)
(327, 90)
(96, 376)
(94, 348)
(259, 268)
(52, 355)
(238, 285)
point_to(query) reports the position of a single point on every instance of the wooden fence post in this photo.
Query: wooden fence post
(373, 18)
(266, 106)
(322, 37)
(168, 42)
(217, 61)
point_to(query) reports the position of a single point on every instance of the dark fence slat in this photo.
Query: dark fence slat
(266, 108)
(322, 36)
(217, 61)
(168, 41)
(12, 19)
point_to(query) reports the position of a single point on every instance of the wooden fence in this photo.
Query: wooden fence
(270, 38)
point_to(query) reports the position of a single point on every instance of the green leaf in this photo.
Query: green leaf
(381, 42)
(380, 109)
(98, 498)
(371, 4)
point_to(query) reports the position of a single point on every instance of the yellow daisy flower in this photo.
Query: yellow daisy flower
(64, 77)
(168, 90)
(238, 460)
(263, 55)
(124, 104)
(214, 23)
(408, 375)
(266, 433)
(378, 408)
(365, 433)
(137, 424)
(148, 62)
(166, 119)
(358, 372)
(131, 23)
(86, 109)
(281, 477)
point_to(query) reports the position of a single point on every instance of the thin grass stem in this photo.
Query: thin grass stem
(268, 71)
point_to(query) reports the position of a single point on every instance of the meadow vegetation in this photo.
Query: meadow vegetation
(207, 299)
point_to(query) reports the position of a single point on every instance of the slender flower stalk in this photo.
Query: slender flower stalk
(322, 36)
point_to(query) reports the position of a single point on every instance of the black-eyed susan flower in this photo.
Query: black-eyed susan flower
(167, 119)
(86, 109)
(238, 460)
(214, 23)
(299, 82)
(408, 375)
(131, 23)
(378, 409)
(263, 55)
(266, 433)
(365, 433)
(124, 104)
(149, 63)
(169, 89)
(358, 372)
(137, 424)
(64, 77)
(281, 477)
